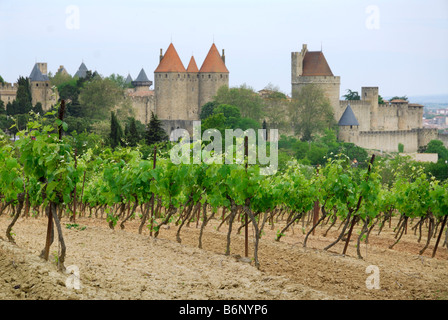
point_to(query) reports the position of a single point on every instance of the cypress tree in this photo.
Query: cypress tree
(154, 132)
(116, 133)
(2, 107)
(23, 96)
(38, 108)
(133, 135)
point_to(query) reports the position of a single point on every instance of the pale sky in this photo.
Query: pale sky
(399, 46)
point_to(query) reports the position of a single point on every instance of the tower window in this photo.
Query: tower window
(37, 84)
(209, 76)
(221, 76)
(166, 75)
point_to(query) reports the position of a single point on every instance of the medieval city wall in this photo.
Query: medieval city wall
(361, 109)
(444, 138)
(8, 92)
(388, 141)
(425, 135)
(142, 107)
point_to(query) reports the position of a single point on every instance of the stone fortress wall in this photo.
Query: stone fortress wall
(375, 126)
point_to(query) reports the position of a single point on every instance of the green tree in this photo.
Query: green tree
(354, 152)
(2, 107)
(380, 100)
(207, 109)
(11, 108)
(439, 170)
(247, 123)
(155, 132)
(275, 108)
(351, 95)
(436, 146)
(116, 133)
(23, 97)
(69, 91)
(244, 98)
(60, 79)
(98, 97)
(119, 80)
(399, 98)
(311, 113)
(38, 109)
(77, 124)
(132, 135)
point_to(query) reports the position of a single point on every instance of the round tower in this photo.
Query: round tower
(142, 83)
(169, 85)
(348, 126)
(212, 75)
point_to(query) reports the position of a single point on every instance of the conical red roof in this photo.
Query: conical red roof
(192, 66)
(213, 62)
(170, 62)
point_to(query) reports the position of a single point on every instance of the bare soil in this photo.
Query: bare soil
(122, 264)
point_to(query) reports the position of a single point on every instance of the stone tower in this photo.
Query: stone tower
(141, 96)
(212, 75)
(311, 67)
(41, 90)
(141, 83)
(169, 85)
(370, 94)
(348, 126)
(180, 93)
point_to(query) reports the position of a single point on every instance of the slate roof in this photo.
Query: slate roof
(142, 77)
(128, 79)
(82, 71)
(36, 74)
(348, 118)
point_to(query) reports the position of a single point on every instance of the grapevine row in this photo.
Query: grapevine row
(41, 172)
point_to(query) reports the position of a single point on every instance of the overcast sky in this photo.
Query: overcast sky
(399, 46)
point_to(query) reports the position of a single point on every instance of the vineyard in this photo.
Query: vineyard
(242, 212)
